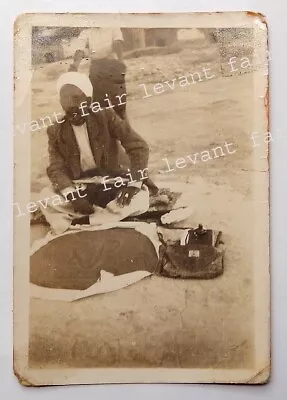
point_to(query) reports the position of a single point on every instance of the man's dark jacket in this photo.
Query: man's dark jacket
(105, 130)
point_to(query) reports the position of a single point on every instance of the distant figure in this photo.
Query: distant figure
(107, 70)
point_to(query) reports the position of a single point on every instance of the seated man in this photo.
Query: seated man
(85, 144)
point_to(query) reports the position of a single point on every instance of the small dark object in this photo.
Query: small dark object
(201, 257)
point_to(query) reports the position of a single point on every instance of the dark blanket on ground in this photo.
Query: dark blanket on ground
(74, 261)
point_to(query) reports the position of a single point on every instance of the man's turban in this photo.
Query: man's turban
(77, 79)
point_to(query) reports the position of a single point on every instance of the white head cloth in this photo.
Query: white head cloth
(77, 79)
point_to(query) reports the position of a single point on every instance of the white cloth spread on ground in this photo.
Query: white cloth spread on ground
(108, 282)
(60, 214)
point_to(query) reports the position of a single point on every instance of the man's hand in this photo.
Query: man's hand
(80, 203)
(125, 195)
(82, 206)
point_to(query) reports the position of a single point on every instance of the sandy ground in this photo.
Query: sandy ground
(162, 322)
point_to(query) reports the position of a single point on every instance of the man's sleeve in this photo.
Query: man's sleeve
(82, 41)
(117, 35)
(56, 170)
(134, 145)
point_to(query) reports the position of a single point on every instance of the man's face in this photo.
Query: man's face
(71, 98)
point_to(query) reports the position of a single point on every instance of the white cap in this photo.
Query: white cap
(77, 79)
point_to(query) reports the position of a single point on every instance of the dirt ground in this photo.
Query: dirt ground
(162, 322)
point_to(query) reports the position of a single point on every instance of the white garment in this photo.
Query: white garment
(99, 41)
(82, 138)
(86, 155)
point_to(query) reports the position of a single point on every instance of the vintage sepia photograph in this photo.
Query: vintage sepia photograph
(141, 198)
